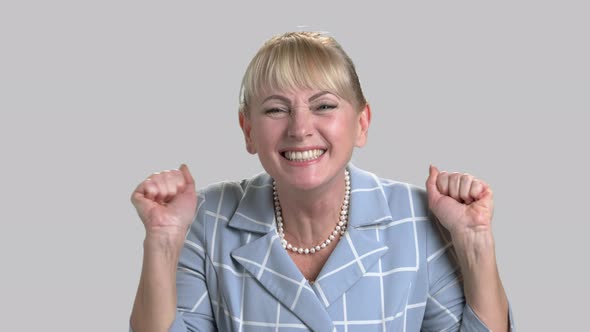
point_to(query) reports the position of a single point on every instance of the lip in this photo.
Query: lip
(301, 149)
(303, 163)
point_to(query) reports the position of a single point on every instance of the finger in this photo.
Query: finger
(431, 189)
(188, 191)
(161, 188)
(487, 193)
(454, 181)
(483, 195)
(147, 191)
(179, 181)
(171, 180)
(442, 183)
(188, 178)
(151, 190)
(432, 175)
(141, 202)
(465, 188)
(478, 189)
(139, 193)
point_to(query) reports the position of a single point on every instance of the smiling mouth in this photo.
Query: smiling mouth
(301, 156)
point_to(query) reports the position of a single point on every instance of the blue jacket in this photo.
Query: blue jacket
(394, 270)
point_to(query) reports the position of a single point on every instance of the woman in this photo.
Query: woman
(314, 243)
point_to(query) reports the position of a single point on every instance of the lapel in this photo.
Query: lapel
(353, 256)
(268, 262)
(358, 250)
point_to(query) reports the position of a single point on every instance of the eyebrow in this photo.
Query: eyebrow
(286, 100)
(319, 94)
(282, 98)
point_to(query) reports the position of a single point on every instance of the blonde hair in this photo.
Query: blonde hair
(301, 60)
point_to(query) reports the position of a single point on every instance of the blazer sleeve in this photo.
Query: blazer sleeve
(194, 308)
(446, 308)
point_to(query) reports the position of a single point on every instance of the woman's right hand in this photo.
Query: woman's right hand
(166, 202)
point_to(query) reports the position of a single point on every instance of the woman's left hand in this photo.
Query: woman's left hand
(461, 202)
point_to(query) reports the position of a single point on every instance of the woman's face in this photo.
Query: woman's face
(304, 138)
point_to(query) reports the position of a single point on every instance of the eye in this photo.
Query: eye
(275, 111)
(325, 107)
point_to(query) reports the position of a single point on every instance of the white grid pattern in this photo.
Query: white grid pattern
(263, 268)
(391, 263)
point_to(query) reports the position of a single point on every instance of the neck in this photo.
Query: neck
(310, 216)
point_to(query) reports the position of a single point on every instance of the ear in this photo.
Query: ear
(246, 126)
(364, 119)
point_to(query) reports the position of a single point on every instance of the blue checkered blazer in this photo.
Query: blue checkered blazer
(394, 270)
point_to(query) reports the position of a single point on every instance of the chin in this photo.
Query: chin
(302, 184)
(305, 181)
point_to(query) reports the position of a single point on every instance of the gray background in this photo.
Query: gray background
(95, 96)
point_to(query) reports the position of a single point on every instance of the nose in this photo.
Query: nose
(300, 124)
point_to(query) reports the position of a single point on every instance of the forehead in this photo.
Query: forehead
(297, 94)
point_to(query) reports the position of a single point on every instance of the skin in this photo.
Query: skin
(165, 202)
(464, 205)
(303, 119)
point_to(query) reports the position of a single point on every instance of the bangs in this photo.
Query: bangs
(296, 63)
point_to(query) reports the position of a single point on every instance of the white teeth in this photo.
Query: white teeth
(303, 156)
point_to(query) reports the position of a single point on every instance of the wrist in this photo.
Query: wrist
(481, 281)
(480, 238)
(475, 249)
(164, 239)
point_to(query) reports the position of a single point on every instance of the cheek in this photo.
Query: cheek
(342, 129)
(266, 135)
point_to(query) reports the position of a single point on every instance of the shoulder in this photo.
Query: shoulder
(401, 198)
(403, 194)
(394, 205)
(230, 193)
(228, 212)
(399, 212)
(235, 206)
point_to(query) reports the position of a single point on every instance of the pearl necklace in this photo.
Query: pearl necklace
(340, 228)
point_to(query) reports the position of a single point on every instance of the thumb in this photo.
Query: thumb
(188, 178)
(188, 197)
(431, 188)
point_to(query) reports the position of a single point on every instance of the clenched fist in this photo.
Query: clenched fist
(460, 201)
(166, 201)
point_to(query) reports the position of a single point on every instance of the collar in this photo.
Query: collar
(255, 211)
